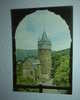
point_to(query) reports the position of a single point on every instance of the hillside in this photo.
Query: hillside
(22, 54)
(60, 65)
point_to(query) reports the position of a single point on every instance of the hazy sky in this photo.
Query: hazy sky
(32, 26)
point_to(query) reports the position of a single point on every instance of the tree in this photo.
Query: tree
(61, 76)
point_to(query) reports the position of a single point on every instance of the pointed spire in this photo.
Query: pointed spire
(44, 42)
(44, 36)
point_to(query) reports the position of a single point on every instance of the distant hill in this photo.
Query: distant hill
(22, 54)
(61, 52)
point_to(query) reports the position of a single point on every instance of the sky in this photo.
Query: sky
(31, 28)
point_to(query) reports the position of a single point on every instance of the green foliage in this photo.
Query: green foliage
(27, 81)
(24, 80)
(55, 63)
(61, 75)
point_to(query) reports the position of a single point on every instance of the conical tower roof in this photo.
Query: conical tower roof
(44, 37)
(44, 42)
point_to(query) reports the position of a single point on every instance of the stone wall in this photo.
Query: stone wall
(45, 61)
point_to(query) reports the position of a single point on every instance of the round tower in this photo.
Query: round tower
(44, 53)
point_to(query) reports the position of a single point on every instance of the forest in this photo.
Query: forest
(60, 70)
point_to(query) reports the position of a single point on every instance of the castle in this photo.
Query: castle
(44, 54)
(40, 68)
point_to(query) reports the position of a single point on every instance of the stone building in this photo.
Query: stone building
(44, 54)
(38, 69)
(31, 68)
